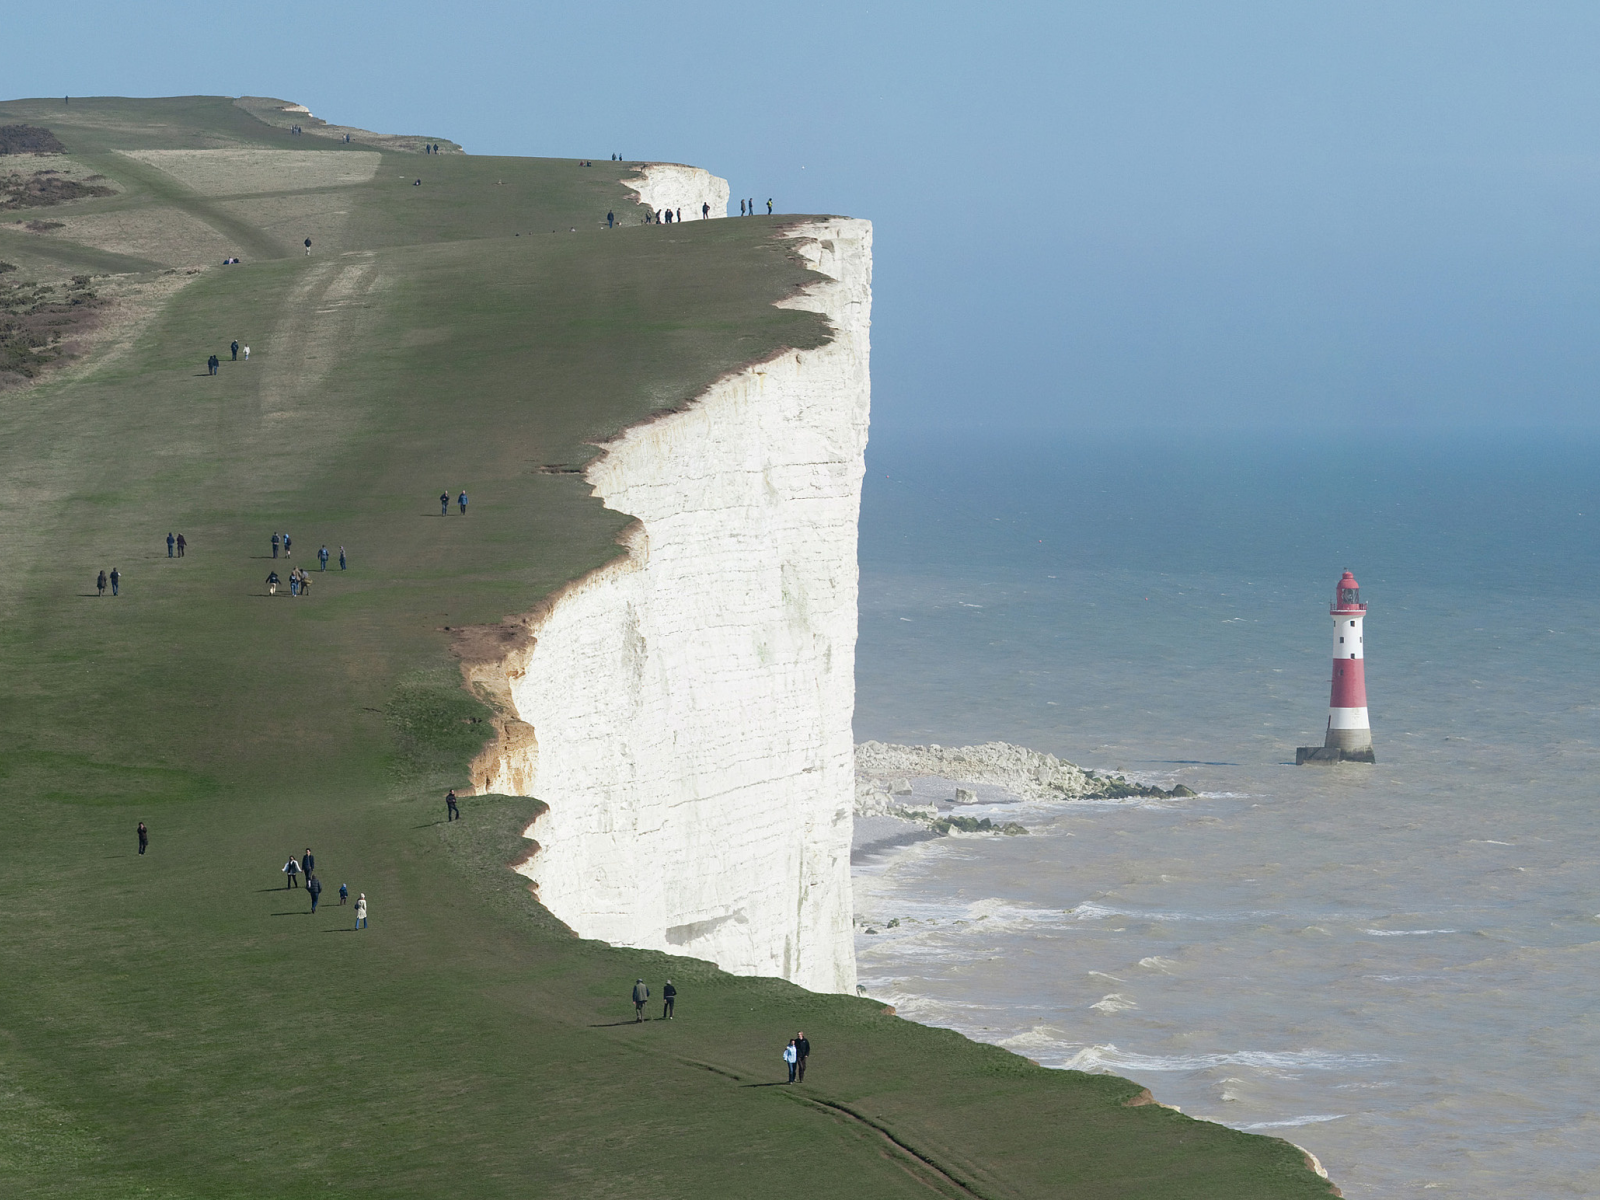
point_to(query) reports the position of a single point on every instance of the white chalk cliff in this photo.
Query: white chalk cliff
(682, 189)
(685, 711)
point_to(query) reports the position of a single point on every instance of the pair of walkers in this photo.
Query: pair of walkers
(795, 1055)
(299, 583)
(444, 503)
(281, 539)
(176, 544)
(115, 579)
(641, 997)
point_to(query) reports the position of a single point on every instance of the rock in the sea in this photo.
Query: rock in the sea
(966, 796)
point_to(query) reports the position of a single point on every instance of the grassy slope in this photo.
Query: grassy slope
(177, 1024)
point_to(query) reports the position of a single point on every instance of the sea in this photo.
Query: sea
(1394, 966)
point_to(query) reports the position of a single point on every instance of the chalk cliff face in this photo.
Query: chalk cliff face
(686, 711)
(669, 185)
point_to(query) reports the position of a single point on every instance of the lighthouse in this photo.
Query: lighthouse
(1349, 737)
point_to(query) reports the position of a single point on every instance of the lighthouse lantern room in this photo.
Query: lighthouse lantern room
(1349, 736)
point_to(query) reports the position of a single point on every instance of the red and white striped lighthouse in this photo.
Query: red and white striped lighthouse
(1349, 737)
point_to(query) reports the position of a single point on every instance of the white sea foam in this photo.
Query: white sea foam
(1108, 1058)
(1405, 932)
(1295, 1121)
(1115, 1002)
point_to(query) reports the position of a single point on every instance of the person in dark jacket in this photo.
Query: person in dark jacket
(144, 838)
(451, 812)
(286, 544)
(100, 583)
(235, 349)
(802, 1050)
(641, 997)
(444, 504)
(182, 545)
(171, 544)
(275, 540)
(462, 500)
(308, 863)
(669, 995)
(611, 219)
(314, 890)
(116, 580)
(272, 584)
(322, 557)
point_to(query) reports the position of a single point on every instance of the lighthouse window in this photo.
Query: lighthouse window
(1352, 656)
(1341, 639)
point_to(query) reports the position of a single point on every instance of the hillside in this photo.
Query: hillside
(177, 1024)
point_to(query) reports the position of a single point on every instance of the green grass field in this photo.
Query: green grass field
(177, 1024)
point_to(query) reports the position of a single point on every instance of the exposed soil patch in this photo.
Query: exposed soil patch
(42, 226)
(44, 188)
(29, 139)
(37, 322)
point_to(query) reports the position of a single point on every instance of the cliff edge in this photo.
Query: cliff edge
(685, 711)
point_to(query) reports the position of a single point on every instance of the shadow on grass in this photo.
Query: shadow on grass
(346, 929)
(299, 912)
(615, 1024)
(774, 1083)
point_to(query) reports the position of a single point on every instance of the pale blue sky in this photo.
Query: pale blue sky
(1211, 215)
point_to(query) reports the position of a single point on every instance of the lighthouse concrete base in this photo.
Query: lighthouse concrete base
(1331, 754)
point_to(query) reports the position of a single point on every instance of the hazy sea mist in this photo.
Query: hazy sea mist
(1393, 966)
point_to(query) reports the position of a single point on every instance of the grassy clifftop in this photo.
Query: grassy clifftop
(177, 1024)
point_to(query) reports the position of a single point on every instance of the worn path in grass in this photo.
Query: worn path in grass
(178, 1024)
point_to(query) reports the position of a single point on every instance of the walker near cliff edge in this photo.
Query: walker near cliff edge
(1349, 735)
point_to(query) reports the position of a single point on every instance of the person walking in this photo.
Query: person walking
(444, 504)
(344, 893)
(292, 870)
(341, 558)
(275, 541)
(144, 838)
(305, 583)
(741, 208)
(308, 863)
(308, 247)
(287, 553)
(790, 1057)
(669, 996)
(361, 911)
(641, 997)
(705, 210)
(235, 349)
(272, 583)
(182, 545)
(100, 583)
(451, 812)
(294, 583)
(247, 354)
(314, 888)
(116, 580)
(462, 500)
(322, 557)
(211, 365)
(611, 219)
(172, 543)
(802, 1051)
(769, 206)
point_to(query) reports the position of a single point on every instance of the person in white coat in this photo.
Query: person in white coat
(361, 911)
(791, 1056)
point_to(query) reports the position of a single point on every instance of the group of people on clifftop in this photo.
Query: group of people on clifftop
(306, 865)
